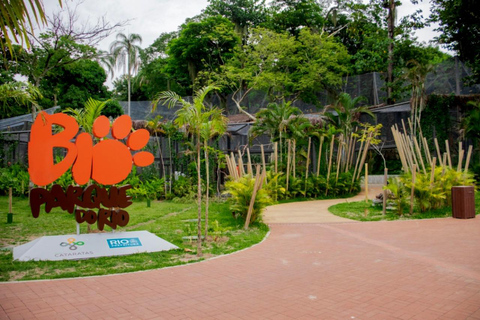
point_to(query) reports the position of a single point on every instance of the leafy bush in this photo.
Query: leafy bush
(15, 177)
(241, 191)
(399, 192)
(112, 109)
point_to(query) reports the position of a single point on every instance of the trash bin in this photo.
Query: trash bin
(463, 202)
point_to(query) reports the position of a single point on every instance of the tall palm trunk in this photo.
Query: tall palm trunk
(128, 84)
(199, 196)
(208, 186)
(391, 35)
(171, 162)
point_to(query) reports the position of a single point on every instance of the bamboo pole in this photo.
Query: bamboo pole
(432, 175)
(288, 161)
(240, 164)
(358, 158)
(364, 156)
(385, 183)
(460, 160)
(427, 151)
(366, 182)
(235, 167)
(349, 151)
(439, 155)
(294, 158)
(332, 144)
(256, 186)
(308, 163)
(319, 155)
(249, 167)
(275, 156)
(469, 154)
(414, 172)
(419, 153)
(449, 158)
(339, 156)
(263, 162)
(399, 149)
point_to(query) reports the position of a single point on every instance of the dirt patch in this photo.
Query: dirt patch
(172, 214)
(18, 275)
(193, 257)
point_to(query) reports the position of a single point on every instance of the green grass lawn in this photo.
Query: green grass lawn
(356, 211)
(167, 219)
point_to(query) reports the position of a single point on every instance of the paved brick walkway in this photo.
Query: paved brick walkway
(426, 269)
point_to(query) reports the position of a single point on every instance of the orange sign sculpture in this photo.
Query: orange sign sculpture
(107, 162)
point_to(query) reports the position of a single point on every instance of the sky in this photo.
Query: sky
(150, 18)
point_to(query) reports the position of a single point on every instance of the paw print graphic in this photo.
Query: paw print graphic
(107, 162)
(110, 160)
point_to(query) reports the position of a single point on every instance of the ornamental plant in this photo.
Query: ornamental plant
(241, 191)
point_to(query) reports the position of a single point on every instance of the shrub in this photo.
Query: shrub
(15, 177)
(241, 191)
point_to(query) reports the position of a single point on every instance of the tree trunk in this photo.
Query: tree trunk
(199, 201)
(207, 191)
(128, 87)
(171, 162)
(391, 35)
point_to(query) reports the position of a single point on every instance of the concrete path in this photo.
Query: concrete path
(427, 269)
(315, 211)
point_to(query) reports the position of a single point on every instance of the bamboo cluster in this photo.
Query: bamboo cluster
(236, 166)
(415, 154)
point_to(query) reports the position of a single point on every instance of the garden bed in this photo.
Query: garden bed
(170, 220)
(356, 211)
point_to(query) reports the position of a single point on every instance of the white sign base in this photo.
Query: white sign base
(84, 246)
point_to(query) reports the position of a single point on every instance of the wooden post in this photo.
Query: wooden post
(469, 154)
(419, 152)
(427, 151)
(366, 188)
(432, 175)
(385, 183)
(460, 161)
(275, 156)
(256, 186)
(294, 157)
(358, 159)
(364, 156)
(289, 142)
(414, 172)
(339, 156)
(10, 200)
(366, 182)
(249, 167)
(332, 143)
(240, 164)
(308, 163)
(439, 155)
(319, 155)
(449, 158)
(263, 161)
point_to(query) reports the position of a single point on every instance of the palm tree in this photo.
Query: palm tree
(125, 51)
(16, 19)
(20, 93)
(156, 127)
(170, 129)
(348, 112)
(217, 125)
(86, 117)
(280, 121)
(417, 74)
(191, 116)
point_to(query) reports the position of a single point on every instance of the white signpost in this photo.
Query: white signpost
(84, 246)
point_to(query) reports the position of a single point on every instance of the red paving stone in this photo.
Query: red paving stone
(428, 269)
